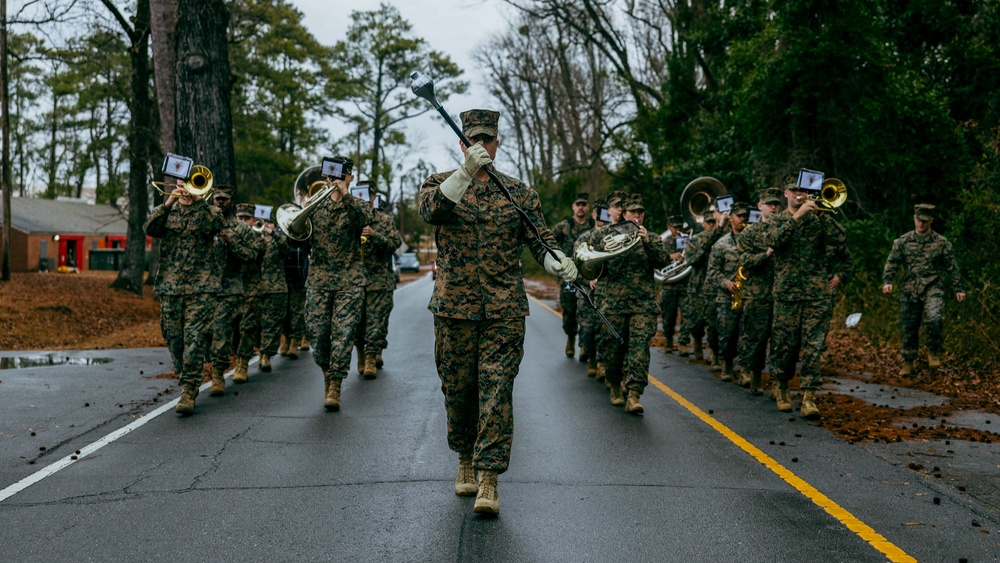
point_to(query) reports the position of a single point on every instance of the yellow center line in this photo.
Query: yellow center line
(864, 531)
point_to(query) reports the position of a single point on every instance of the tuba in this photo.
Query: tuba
(697, 197)
(311, 190)
(590, 262)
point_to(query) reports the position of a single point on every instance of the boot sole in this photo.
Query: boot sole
(486, 508)
(811, 416)
(265, 369)
(469, 490)
(216, 393)
(332, 408)
(369, 376)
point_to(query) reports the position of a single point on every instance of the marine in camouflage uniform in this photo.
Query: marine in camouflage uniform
(266, 298)
(926, 259)
(758, 303)
(811, 260)
(296, 270)
(479, 303)
(186, 282)
(234, 247)
(336, 283)
(567, 232)
(673, 295)
(724, 262)
(629, 303)
(382, 239)
(615, 202)
(586, 318)
(693, 317)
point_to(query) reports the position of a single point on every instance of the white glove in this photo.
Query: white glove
(562, 267)
(455, 185)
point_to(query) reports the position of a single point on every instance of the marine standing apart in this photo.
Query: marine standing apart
(479, 303)
(926, 258)
(811, 260)
(566, 233)
(186, 282)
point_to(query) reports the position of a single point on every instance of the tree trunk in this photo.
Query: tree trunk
(5, 127)
(204, 129)
(140, 139)
(164, 36)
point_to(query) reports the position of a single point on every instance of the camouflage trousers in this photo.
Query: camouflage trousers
(799, 332)
(331, 319)
(672, 303)
(587, 325)
(373, 326)
(228, 310)
(294, 326)
(755, 329)
(629, 362)
(263, 316)
(477, 362)
(728, 326)
(697, 319)
(930, 312)
(567, 300)
(186, 323)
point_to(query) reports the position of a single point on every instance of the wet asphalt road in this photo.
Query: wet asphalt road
(265, 474)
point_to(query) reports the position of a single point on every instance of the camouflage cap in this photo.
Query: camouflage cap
(770, 195)
(245, 210)
(222, 191)
(480, 122)
(601, 202)
(633, 202)
(371, 184)
(675, 221)
(924, 211)
(741, 209)
(616, 197)
(581, 197)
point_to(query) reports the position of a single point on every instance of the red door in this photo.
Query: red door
(70, 251)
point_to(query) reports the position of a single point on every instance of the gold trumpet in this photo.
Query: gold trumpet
(832, 195)
(198, 185)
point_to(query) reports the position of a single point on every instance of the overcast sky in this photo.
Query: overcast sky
(454, 27)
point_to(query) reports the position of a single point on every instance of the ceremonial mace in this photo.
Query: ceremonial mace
(423, 86)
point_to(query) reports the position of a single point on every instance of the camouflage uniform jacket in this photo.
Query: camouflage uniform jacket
(757, 265)
(271, 250)
(568, 231)
(807, 253)
(378, 251)
(698, 251)
(232, 255)
(479, 242)
(187, 247)
(923, 259)
(670, 245)
(627, 284)
(335, 260)
(722, 266)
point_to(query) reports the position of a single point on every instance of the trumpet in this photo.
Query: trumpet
(198, 185)
(832, 195)
(258, 226)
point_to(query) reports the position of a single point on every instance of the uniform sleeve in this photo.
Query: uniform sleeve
(386, 237)
(657, 251)
(358, 214)
(281, 241)
(893, 262)
(156, 223)
(951, 266)
(210, 219)
(841, 263)
(533, 209)
(435, 208)
(716, 262)
(242, 246)
(782, 233)
(696, 249)
(750, 250)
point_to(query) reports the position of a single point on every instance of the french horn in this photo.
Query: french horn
(590, 261)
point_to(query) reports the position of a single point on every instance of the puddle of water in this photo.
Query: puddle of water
(893, 397)
(19, 362)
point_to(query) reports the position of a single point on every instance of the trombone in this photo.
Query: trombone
(198, 185)
(832, 195)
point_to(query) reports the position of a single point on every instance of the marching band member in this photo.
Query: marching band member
(587, 320)
(186, 282)
(567, 232)
(723, 266)
(267, 297)
(673, 295)
(296, 271)
(479, 303)
(693, 320)
(381, 240)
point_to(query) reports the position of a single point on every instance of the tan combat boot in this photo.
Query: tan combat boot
(369, 371)
(756, 384)
(807, 409)
(379, 362)
(465, 481)
(668, 348)
(632, 405)
(698, 352)
(600, 371)
(775, 390)
(682, 349)
(304, 345)
(292, 354)
(488, 499)
(570, 345)
(283, 350)
(933, 361)
(265, 362)
(784, 398)
(218, 384)
(744, 379)
(591, 367)
(727, 370)
(906, 370)
(716, 365)
(616, 396)
(240, 375)
(332, 401)
(185, 406)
